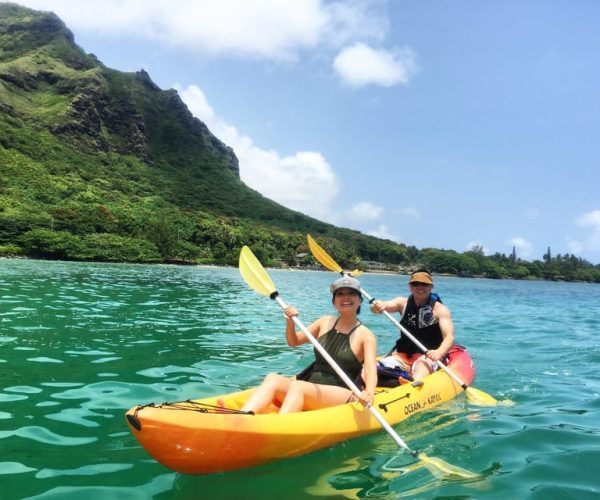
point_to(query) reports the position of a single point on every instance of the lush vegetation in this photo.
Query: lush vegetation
(101, 165)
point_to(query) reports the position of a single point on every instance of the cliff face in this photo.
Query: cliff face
(47, 80)
(90, 152)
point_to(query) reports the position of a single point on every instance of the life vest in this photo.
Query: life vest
(421, 322)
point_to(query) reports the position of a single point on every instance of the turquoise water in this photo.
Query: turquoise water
(81, 343)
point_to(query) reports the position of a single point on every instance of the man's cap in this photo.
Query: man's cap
(421, 276)
(345, 282)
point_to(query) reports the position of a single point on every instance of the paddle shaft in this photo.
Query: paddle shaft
(416, 341)
(351, 385)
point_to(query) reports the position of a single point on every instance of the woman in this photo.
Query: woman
(351, 344)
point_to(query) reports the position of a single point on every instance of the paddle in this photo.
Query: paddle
(257, 278)
(473, 394)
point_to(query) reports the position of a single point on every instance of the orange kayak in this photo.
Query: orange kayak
(211, 435)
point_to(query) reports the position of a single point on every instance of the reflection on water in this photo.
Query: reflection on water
(81, 343)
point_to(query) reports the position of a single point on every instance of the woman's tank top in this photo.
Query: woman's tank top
(338, 346)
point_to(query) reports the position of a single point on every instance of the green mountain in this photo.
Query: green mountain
(100, 164)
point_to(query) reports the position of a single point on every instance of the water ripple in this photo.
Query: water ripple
(150, 489)
(25, 389)
(42, 435)
(11, 397)
(86, 470)
(14, 468)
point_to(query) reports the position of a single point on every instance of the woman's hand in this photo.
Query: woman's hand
(289, 312)
(366, 398)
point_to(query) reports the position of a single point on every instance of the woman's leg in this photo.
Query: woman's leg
(303, 395)
(273, 386)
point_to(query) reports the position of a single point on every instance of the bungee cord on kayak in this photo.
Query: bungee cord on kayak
(186, 405)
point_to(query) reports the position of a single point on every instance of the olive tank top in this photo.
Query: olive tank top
(338, 347)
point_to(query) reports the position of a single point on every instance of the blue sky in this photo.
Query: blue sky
(442, 124)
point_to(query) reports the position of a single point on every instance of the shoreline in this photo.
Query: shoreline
(288, 268)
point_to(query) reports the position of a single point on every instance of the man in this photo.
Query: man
(423, 315)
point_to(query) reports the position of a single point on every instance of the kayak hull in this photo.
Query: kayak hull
(191, 437)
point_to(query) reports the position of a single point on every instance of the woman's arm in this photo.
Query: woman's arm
(369, 348)
(297, 337)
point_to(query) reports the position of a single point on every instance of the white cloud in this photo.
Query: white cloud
(383, 232)
(356, 20)
(360, 65)
(268, 29)
(365, 212)
(591, 220)
(303, 181)
(523, 248)
(197, 103)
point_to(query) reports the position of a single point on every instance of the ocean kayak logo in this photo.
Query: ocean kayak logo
(421, 405)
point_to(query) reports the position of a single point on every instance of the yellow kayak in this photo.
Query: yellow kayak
(211, 435)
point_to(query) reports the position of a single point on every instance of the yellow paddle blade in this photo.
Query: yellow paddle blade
(483, 398)
(437, 466)
(254, 273)
(322, 256)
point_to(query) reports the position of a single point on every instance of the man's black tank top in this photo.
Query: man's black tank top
(421, 322)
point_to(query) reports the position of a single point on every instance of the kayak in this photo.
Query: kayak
(210, 435)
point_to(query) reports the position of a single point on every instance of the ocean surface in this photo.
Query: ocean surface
(82, 343)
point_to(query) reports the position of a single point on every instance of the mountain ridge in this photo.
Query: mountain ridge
(113, 142)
